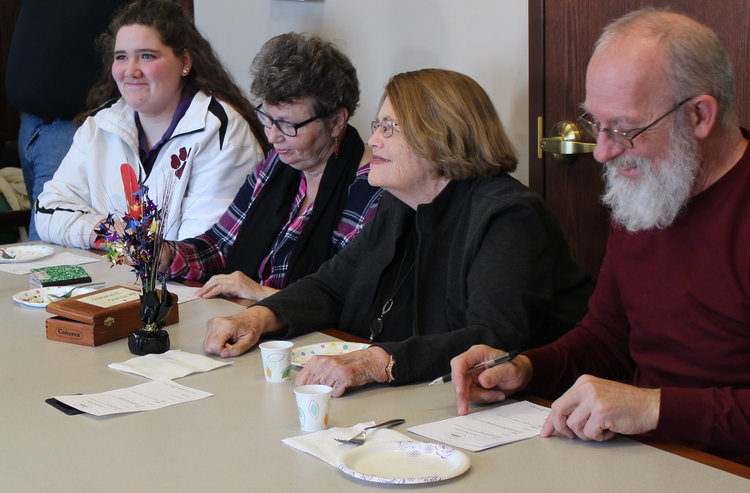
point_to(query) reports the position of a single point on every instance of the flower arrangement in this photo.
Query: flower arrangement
(138, 240)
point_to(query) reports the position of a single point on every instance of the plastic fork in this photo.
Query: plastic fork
(70, 292)
(359, 438)
(6, 255)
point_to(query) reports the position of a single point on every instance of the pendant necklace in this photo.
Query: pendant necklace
(376, 327)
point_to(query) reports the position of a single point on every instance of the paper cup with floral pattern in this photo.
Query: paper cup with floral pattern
(277, 360)
(312, 406)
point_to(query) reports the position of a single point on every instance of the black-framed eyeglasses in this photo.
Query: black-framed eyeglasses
(285, 127)
(388, 126)
(623, 138)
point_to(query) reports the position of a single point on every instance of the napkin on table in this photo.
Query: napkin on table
(168, 366)
(322, 445)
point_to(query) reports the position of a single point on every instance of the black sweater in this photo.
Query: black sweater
(53, 62)
(492, 267)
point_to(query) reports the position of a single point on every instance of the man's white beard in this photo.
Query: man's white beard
(655, 197)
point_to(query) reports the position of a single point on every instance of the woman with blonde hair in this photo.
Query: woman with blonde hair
(459, 252)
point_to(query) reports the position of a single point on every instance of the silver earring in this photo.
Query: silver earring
(184, 71)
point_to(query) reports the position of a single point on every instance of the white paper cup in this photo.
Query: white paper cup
(312, 406)
(277, 360)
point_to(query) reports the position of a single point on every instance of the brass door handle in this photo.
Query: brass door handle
(565, 144)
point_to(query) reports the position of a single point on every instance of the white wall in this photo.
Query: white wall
(485, 39)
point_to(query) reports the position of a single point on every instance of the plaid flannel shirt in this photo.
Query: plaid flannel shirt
(203, 256)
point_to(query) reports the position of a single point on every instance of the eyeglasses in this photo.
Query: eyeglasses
(388, 126)
(623, 138)
(285, 127)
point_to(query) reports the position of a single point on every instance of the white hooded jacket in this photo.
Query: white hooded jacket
(218, 148)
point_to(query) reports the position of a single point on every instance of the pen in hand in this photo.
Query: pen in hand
(484, 365)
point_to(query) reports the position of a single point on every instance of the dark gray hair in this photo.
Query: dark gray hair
(697, 61)
(293, 66)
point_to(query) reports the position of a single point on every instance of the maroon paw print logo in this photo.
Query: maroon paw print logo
(179, 161)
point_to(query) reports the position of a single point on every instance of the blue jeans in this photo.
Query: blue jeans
(42, 146)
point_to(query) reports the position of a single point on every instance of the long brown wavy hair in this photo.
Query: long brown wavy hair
(176, 30)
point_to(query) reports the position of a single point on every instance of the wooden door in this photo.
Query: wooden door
(561, 36)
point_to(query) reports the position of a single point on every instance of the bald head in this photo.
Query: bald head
(651, 23)
(689, 55)
(627, 81)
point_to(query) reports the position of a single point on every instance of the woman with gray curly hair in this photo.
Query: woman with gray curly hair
(310, 195)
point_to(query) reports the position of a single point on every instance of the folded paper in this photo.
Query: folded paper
(143, 397)
(168, 366)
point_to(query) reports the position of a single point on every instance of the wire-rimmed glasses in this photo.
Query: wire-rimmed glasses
(386, 125)
(623, 138)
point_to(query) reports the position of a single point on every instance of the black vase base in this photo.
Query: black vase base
(141, 342)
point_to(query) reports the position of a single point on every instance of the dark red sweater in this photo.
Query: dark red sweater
(672, 310)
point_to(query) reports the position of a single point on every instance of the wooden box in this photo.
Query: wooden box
(103, 316)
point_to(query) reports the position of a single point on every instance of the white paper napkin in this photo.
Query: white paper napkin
(184, 293)
(322, 445)
(168, 366)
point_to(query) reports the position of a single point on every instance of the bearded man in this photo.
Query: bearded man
(665, 346)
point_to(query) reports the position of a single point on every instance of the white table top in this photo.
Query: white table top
(231, 442)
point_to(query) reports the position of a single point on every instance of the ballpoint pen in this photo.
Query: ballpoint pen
(484, 364)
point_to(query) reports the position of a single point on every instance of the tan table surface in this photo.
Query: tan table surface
(231, 442)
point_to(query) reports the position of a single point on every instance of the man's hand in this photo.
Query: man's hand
(235, 284)
(490, 385)
(346, 370)
(597, 409)
(233, 335)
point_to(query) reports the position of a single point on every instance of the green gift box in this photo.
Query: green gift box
(59, 275)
